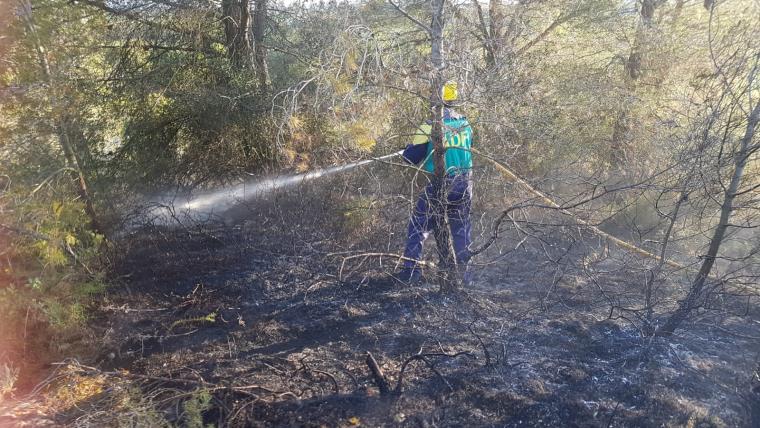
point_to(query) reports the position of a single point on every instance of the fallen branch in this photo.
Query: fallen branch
(365, 256)
(550, 203)
(382, 382)
(424, 358)
(127, 310)
(243, 389)
(377, 374)
(482, 345)
(308, 368)
(24, 232)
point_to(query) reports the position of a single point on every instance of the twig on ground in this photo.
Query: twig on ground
(128, 310)
(377, 374)
(351, 376)
(424, 358)
(334, 381)
(483, 345)
(243, 389)
(614, 413)
(365, 256)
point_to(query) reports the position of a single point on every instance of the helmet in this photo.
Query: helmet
(450, 91)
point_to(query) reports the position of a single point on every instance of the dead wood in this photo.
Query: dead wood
(377, 375)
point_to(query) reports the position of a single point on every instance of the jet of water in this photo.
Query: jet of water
(205, 205)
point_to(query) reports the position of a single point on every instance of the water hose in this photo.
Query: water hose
(510, 175)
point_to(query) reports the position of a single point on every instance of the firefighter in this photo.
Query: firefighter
(457, 141)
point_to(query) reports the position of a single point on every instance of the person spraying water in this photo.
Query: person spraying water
(458, 136)
(458, 158)
(458, 183)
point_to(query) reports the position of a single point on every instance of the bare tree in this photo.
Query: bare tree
(694, 298)
(448, 279)
(634, 66)
(447, 274)
(736, 61)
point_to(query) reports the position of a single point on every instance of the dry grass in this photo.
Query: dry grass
(8, 378)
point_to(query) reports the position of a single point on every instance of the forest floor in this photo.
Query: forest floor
(226, 327)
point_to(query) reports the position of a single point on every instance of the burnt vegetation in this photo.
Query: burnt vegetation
(202, 219)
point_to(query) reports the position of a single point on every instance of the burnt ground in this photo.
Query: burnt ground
(260, 321)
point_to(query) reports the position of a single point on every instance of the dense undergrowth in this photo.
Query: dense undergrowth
(52, 270)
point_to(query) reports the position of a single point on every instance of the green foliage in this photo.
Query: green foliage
(136, 410)
(203, 125)
(194, 407)
(49, 272)
(123, 404)
(207, 319)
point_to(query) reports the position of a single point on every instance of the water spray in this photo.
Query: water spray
(204, 205)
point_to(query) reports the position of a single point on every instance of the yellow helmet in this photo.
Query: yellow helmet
(450, 91)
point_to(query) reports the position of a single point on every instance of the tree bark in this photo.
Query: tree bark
(236, 18)
(495, 26)
(486, 34)
(260, 50)
(695, 294)
(494, 41)
(447, 278)
(635, 67)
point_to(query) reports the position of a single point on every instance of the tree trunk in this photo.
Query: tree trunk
(63, 130)
(635, 66)
(447, 279)
(695, 295)
(260, 50)
(74, 161)
(655, 273)
(491, 32)
(236, 18)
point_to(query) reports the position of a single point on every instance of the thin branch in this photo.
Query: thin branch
(556, 23)
(24, 232)
(423, 357)
(410, 17)
(368, 255)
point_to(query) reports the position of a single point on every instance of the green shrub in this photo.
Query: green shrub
(194, 407)
(49, 272)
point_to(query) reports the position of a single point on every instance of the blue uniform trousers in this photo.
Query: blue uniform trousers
(423, 219)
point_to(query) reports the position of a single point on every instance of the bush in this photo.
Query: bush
(50, 270)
